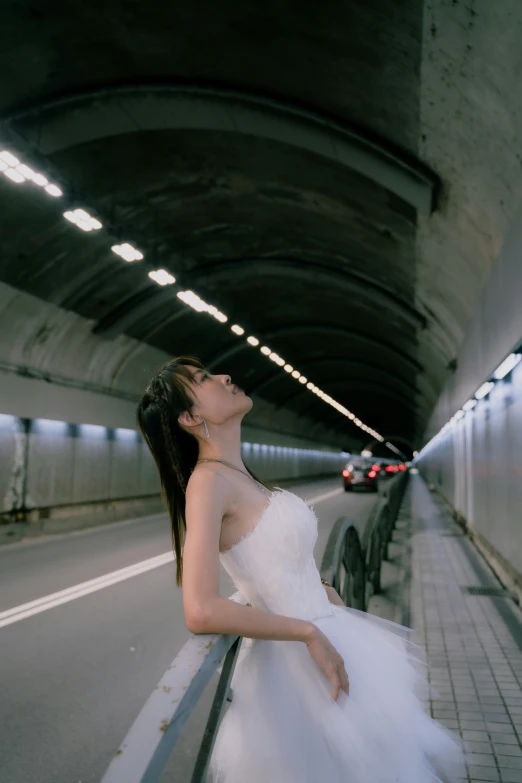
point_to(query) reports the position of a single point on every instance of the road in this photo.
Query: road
(77, 668)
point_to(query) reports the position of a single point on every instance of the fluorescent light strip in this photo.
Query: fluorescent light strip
(127, 252)
(194, 301)
(19, 173)
(83, 220)
(162, 277)
(506, 366)
(484, 390)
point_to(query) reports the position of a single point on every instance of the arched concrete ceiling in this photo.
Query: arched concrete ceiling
(321, 173)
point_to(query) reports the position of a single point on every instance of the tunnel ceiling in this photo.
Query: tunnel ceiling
(282, 161)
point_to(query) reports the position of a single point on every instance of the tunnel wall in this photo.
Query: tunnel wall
(476, 463)
(61, 476)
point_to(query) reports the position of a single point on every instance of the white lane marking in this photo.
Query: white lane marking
(324, 496)
(23, 611)
(31, 608)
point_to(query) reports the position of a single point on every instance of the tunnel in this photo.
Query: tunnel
(322, 203)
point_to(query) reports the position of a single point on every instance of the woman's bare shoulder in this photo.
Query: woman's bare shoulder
(207, 484)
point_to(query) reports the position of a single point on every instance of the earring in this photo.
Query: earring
(207, 436)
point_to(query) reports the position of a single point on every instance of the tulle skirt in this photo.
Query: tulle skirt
(283, 725)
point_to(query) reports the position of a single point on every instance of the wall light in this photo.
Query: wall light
(507, 365)
(50, 426)
(484, 390)
(125, 434)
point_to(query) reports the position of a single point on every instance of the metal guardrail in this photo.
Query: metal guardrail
(351, 563)
(352, 559)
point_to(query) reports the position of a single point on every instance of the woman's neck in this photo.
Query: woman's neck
(224, 445)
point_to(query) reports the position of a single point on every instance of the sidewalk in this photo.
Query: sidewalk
(473, 641)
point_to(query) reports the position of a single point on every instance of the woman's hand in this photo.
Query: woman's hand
(334, 597)
(326, 656)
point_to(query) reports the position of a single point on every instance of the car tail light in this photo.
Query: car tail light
(346, 473)
(376, 468)
(372, 474)
(402, 467)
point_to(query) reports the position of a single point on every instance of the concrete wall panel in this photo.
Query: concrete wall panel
(477, 466)
(57, 465)
(51, 464)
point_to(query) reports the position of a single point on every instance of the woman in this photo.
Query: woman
(322, 692)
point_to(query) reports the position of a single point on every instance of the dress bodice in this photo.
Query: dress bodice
(273, 565)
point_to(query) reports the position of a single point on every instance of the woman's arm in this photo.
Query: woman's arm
(207, 499)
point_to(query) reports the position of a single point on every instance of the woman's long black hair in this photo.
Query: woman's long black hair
(175, 451)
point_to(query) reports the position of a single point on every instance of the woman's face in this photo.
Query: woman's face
(217, 399)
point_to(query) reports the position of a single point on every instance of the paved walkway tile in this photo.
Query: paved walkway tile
(473, 642)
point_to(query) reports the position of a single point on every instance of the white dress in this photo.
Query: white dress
(283, 725)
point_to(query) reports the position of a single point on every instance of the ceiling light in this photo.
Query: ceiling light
(53, 190)
(127, 252)
(507, 365)
(253, 340)
(266, 350)
(162, 277)
(221, 317)
(484, 389)
(26, 171)
(288, 368)
(469, 405)
(193, 300)
(237, 329)
(296, 374)
(82, 219)
(302, 379)
(40, 180)
(14, 175)
(9, 159)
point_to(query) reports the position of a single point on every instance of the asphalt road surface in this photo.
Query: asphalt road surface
(83, 642)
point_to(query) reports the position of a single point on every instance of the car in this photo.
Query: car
(395, 467)
(360, 473)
